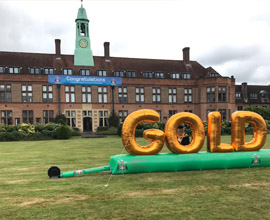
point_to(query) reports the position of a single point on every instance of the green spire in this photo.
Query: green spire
(83, 54)
(82, 14)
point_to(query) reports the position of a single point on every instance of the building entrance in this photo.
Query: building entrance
(87, 124)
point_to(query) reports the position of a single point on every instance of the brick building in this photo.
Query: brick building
(167, 86)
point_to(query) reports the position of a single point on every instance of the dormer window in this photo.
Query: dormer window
(159, 75)
(34, 70)
(2, 69)
(175, 75)
(213, 75)
(48, 71)
(14, 70)
(186, 75)
(118, 73)
(84, 72)
(148, 74)
(101, 72)
(130, 74)
(67, 71)
(253, 95)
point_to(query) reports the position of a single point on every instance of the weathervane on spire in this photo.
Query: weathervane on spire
(81, 3)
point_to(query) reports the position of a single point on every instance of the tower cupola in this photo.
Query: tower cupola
(83, 54)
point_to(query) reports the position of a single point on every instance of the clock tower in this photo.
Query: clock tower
(83, 54)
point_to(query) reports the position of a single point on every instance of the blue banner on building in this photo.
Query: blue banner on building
(84, 80)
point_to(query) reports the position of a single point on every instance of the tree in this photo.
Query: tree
(262, 111)
(113, 120)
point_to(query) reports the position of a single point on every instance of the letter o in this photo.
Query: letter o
(128, 133)
(198, 133)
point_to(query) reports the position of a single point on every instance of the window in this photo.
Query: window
(6, 117)
(102, 94)
(172, 112)
(27, 93)
(5, 93)
(253, 95)
(139, 95)
(172, 95)
(14, 70)
(48, 116)
(2, 69)
(122, 94)
(238, 95)
(70, 93)
(186, 75)
(17, 121)
(47, 93)
(213, 75)
(103, 118)
(87, 113)
(122, 114)
(101, 72)
(48, 71)
(71, 118)
(188, 95)
(222, 93)
(130, 74)
(118, 73)
(148, 74)
(159, 75)
(86, 94)
(175, 75)
(210, 94)
(28, 116)
(34, 70)
(239, 108)
(84, 72)
(223, 113)
(190, 111)
(156, 97)
(67, 71)
(38, 120)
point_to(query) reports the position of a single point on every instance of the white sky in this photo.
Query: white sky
(231, 36)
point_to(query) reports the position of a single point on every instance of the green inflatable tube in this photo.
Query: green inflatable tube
(169, 162)
(120, 164)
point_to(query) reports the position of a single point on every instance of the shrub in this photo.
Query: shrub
(3, 136)
(63, 132)
(108, 131)
(113, 120)
(60, 119)
(76, 132)
(14, 136)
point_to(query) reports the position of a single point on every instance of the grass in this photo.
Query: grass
(27, 193)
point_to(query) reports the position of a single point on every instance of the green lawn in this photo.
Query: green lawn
(26, 192)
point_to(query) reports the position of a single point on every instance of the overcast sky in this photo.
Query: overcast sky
(231, 36)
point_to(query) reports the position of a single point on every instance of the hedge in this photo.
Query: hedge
(36, 132)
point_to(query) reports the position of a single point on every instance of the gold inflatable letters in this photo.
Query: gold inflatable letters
(158, 137)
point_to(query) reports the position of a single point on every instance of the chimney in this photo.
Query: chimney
(57, 47)
(186, 54)
(244, 91)
(107, 50)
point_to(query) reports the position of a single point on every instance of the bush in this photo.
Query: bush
(113, 120)
(76, 132)
(3, 136)
(63, 132)
(60, 119)
(108, 131)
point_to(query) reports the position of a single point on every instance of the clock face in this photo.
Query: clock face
(83, 43)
